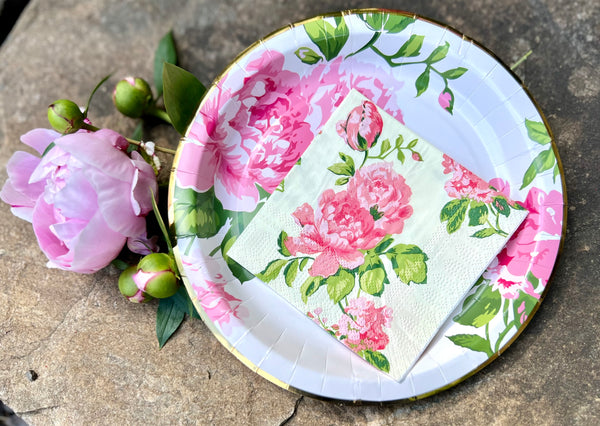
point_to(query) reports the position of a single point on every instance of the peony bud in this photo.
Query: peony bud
(129, 289)
(65, 116)
(155, 275)
(132, 96)
(362, 127)
(416, 156)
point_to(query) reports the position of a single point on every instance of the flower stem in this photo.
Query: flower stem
(366, 46)
(158, 148)
(159, 113)
(364, 159)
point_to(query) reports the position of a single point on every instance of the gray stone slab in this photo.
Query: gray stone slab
(95, 354)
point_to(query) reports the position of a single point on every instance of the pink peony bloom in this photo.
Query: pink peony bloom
(465, 184)
(220, 306)
(384, 193)
(444, 99)
(362, 127)
(363, 325)
(85, 197)
(255, 134)
(535, 244)
(336, 232)
(510, 286)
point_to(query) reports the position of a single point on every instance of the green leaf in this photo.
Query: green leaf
(454, 213)
(478, 213)
(545, 160)
(454, 73)
(523, 305)
(375, 20)
(412, 143)
(329, 39)
(422, 82)
(339, 285)
(396, 23)
(484, 233)
(281, 244)
(182, 301)
(303, 263)
(236, 269)
(349, 162)
(376, 359)
(290, 272)
(182, 95)
(438, 54)
(412, 47)
(408, 262)
(87, 105)
(168, 319)
(372, 275)
(502, 206)
(537, 132)
(385, 146)
(400, 155)
(341, 169)
(480, 308)
(342, 181)
(383, 244)
(120, 264)
(473, 342)
(308, 56)
(165, 52)
(197, 213)
(272, 270)
(555, 173)
(310, 286)
(137, 134)
(263, 194)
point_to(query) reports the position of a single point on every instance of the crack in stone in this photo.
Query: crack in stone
(37, 410)
(286, 421)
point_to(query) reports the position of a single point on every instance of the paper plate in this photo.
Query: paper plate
(253, 125)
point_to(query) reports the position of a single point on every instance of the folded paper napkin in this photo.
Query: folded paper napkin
(376, 235)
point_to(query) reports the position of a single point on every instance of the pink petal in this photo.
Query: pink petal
(39, 139)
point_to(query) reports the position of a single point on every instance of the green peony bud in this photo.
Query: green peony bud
(128, 287)
(156, 275)
(132, 96)
(65, 116)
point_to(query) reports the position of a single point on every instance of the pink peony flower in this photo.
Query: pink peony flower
(384, 193)
(362, 127)
(465, 184)
(255, 134)
(363, 325)
(85, 197)
(510, 286)
(444, 99)
(220, 306)
(535, 244)
(336, 232)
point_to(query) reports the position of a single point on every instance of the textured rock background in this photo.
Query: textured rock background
(95, 353)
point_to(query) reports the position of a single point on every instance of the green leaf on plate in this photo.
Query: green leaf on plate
(197, 213)
(412, 47)
(478, 213)
(545, 160)
(372, 275)
(555, 173)
(339, 285)
(502, 206)
(454, 213)
(329, 39)
(422, 82)
(341, 169)
(168, 319)
(377, 359)
(385, 146)
(182, 95)
(412, 143)
(409, 263)
(308, 56)
(454, 73)
(438, 54)
(165, 52)
(537, 132)
(480, 308)
(397, 23)
(473, 342)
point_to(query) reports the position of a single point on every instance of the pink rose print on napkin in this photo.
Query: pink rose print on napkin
(384, 193)
(362, 127)
(363, 325)
(464, 183)
(336, 232)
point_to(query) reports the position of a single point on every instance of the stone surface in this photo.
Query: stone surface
(95, 354)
